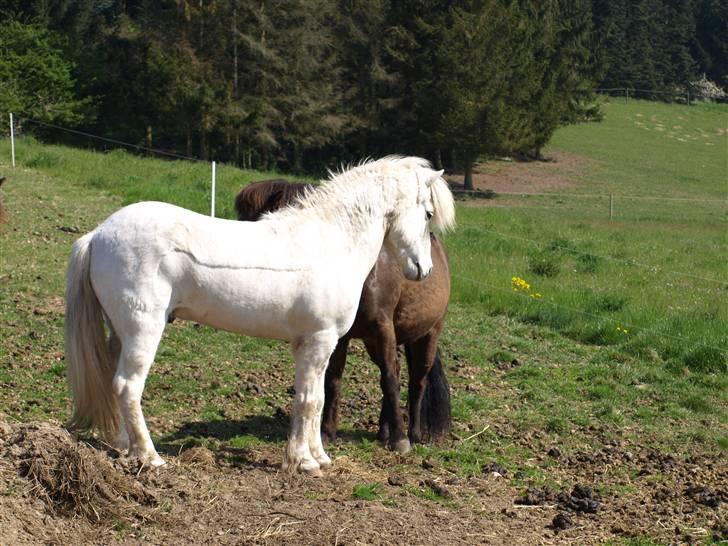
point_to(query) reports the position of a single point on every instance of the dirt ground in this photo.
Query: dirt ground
(558, 171)
(55, 489)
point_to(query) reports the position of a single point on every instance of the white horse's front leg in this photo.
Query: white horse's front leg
(315, 442)
(305, 449)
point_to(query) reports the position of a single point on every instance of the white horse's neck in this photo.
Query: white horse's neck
(357, 203)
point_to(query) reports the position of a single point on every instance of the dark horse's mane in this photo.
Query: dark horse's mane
(266, 196)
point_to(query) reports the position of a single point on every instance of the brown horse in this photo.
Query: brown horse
(392, 311)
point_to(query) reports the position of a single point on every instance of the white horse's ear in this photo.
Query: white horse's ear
(434, 175)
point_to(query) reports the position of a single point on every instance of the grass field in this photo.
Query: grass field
(619, 326)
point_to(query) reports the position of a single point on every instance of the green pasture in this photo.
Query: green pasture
(653, 280)
(617, 324)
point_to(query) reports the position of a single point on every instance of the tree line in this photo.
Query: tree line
(297, 85)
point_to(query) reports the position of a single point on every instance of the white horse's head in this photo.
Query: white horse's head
(425, 205)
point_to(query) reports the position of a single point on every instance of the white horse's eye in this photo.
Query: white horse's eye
(428, 213)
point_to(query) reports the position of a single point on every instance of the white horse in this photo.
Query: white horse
(296, 275)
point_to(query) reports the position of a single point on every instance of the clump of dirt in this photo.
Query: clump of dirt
(197, 456)
(70, 477)
(494, 468)
(705, 495)
(580, 500)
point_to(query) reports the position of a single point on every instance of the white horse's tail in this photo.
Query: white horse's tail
(89, 359)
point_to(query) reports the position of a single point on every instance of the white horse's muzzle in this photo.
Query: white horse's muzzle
(415, 271)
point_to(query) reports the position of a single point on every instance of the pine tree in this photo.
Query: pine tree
(369, 84)
(36, 80)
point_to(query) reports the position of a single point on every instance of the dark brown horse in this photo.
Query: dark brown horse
(392, 311)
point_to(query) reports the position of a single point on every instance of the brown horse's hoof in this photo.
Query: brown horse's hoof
(401, 447)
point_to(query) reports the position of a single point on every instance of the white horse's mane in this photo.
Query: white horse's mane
(349, 190)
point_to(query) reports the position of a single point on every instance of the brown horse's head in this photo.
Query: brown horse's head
(255, 200)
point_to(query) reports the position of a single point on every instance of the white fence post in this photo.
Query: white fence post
(611, 206)
(212, 207)
(12, 139)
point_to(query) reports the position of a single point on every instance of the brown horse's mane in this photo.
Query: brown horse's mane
(265, 196)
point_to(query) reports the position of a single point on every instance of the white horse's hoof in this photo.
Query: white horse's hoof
(152, 459)
(314, 472)
(323, 460)
(157, 462)
(305, 466)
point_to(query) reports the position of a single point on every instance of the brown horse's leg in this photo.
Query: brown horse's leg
(332, 388)
(391, 422)
(385, 413)
(423, 353)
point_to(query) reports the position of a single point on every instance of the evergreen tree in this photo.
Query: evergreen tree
(513, 72)
(36, 80)
(369, 85)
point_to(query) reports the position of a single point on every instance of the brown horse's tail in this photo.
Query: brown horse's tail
(88, 354)
(435, 412)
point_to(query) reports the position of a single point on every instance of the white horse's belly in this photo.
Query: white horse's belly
(261, 303)
(240, 310)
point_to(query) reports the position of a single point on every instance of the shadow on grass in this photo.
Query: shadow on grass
(264, 428)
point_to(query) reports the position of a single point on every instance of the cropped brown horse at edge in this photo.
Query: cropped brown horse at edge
(2, 209)
(392, 311)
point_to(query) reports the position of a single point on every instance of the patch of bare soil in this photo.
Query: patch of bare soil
(56, 489)
(625, 489)
(559, 171)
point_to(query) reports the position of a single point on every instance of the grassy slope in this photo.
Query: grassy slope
(657, 270)
(520, 372)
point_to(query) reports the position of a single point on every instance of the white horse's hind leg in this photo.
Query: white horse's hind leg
(121, 442)
(137, 355)
(305, 450)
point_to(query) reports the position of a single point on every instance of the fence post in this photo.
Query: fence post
(12, 140)
(611, 206)
(212, 207)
